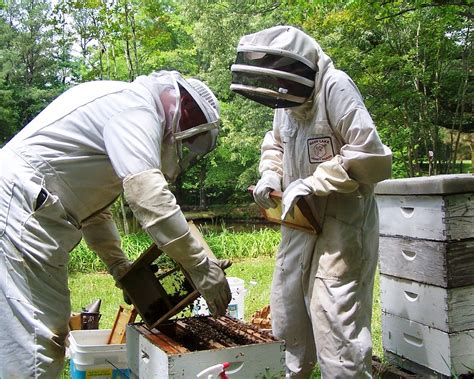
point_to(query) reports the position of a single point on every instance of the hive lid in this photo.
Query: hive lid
(427, 185)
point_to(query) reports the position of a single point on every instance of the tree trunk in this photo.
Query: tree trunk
(202, 192)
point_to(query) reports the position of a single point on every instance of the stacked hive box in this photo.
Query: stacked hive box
(427, 273)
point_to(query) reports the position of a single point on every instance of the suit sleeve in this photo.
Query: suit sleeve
(364, 157)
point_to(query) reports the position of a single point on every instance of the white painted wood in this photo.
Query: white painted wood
(412, 216)
(419, 260)
(450, 310)
(440, 263)
(256, 361)
(419, 371)
(446, 353)
(432, 217)
(424, 185)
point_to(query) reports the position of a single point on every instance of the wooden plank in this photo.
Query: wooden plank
(420, 371)
(459, 216)
(432, 217)
(460, 263)
(445, 264)
(302, 218)
(124, 316)
(155, 305)
(164, 342)
(449, 310)
(446, 353)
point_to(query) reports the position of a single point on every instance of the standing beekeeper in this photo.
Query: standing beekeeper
(323, 144)
(57, 178)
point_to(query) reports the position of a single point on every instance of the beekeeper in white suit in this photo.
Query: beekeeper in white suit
(323, 144)
(57, 178)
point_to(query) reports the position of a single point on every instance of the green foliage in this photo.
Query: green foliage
(224, 244)
(239, 245)
(410, 59)
(83, 259)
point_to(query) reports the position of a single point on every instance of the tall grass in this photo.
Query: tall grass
(238, 245)
(82, 259)
(224, 244)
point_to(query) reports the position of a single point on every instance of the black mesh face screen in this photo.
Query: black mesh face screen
(260, 80)
(269, 101)
(275, 62)
(191, 113)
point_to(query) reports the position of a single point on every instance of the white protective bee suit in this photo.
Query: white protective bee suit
(321, 295)
(57, 178)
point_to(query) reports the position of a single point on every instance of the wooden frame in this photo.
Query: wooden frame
(148, 294)
(302, 218)
(147, 291)
(124, 317)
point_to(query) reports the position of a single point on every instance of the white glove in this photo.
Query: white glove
(206, 275)
(270, 181)
(102, 236)
(328, 177)
(300, 187)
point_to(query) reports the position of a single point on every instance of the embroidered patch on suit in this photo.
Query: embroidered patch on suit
(320, 149)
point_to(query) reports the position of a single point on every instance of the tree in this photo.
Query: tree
(29, 70)
(410, 61)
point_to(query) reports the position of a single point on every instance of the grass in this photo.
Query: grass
(253, 260)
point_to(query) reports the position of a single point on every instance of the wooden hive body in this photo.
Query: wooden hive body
(426, 265)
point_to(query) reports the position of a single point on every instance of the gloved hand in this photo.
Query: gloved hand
(207, 276)
(300, 187)
(117, 271)
(329, 176)
(270, 181)
(102, 236)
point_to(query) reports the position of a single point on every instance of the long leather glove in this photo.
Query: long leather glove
(102, 236)
(328, 177)
(270, 181)
(155, 207)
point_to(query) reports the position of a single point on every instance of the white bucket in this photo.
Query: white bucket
(236, 306)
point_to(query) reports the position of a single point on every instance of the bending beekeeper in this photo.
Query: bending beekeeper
(323, 143)
(57, 178)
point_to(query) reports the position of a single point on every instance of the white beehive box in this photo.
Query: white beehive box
(436, 208)
(446, 353)
(426, 264)
(448, 264)
(148, 360)
(436, 307)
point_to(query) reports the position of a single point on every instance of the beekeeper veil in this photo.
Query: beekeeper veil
(276, 67)
(192, 120)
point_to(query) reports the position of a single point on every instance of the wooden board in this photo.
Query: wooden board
(449, 310)
(302, 217)
(148, 290)
(75, 322)
(445, 353)
(123, 318)
(435, 217)
(446, 264)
